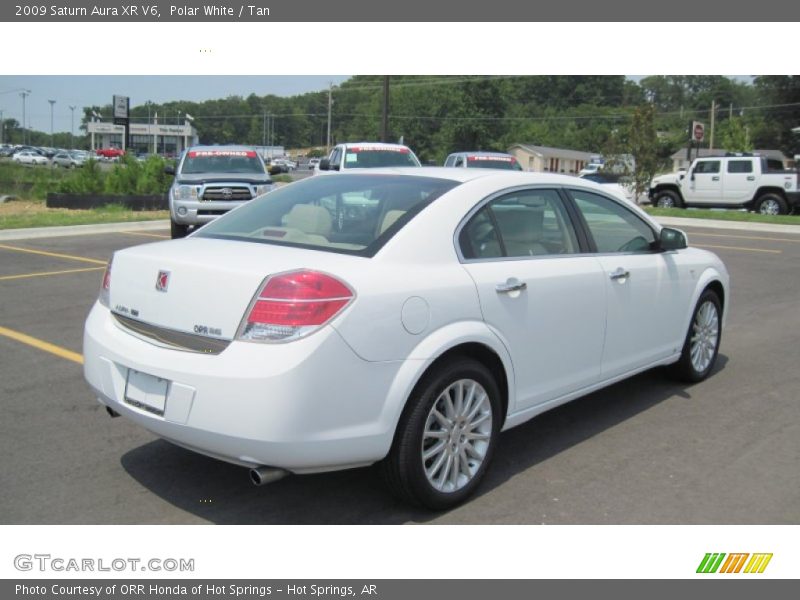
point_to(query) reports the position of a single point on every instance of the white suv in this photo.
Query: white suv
(367, 155)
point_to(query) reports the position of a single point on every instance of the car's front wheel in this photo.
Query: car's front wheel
(446, 436)
(177, 230)
(668, 199)
(701, 345)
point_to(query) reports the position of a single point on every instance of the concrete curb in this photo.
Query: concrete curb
(63, 231)
(730, 225)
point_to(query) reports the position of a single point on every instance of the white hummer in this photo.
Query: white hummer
(731, 181)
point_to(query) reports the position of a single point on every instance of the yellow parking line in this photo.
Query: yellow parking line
(156, 235)
(47, 273)
(42, 345)
(739, 248)
(745, 237)
(54, 254)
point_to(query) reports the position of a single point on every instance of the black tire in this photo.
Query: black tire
(404, 467)
(668, 199)
(685, 369)
(771, 204)
(177, 230)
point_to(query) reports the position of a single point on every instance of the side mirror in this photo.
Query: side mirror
(169, 170)
(682, 175)
(324, 164)
(692, 176)
(672, 239)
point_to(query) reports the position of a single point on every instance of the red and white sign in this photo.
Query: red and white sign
(358, 149)
(509, 159)
(698, 131)
(204, 153)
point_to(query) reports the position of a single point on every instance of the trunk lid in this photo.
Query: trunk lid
(202, 286)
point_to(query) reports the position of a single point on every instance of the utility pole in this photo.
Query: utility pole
(264, 128)
(2, 127)
(72, 127)
(52, 104)
(24, 94)
(330, 104)
(385, 116)
(713, 114)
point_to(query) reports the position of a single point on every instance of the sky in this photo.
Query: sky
(89, 90)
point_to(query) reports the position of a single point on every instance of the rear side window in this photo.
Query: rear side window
(740, 166)
(774, 164)
(351, 214)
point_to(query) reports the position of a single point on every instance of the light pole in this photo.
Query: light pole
(2, 127)
(52, 104)
(330, 105)
(24, 94)
(72, 128)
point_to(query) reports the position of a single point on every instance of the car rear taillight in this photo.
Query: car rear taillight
(292, 305)
(105, 287)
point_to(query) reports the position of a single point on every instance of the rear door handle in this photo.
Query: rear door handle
(512, 284)
(620, 275)
(715, 178)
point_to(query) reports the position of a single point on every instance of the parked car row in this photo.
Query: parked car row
(32, 155)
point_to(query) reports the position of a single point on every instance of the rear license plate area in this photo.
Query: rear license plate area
(146, 392)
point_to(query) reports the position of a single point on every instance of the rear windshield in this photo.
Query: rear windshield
(222, 161)
(351, 214)
(493, 162)
(368, 158)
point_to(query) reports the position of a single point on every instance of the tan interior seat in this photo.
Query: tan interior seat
(522, 231)
(313, 220)
(390, 218)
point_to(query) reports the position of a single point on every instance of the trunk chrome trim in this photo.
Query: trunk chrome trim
(170, 338)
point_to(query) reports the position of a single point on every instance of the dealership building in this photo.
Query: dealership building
(144, 137)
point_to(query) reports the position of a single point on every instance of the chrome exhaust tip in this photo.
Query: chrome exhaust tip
(264, 475)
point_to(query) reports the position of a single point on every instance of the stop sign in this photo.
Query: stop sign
(698, 131)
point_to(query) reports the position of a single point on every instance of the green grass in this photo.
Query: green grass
(16, 215)
(724, 215)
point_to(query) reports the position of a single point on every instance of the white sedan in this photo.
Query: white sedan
(402, 316)
(26, 157)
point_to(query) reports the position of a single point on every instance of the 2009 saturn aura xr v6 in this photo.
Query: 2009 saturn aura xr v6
(404, 316)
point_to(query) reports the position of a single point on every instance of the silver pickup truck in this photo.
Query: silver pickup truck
(210, 181)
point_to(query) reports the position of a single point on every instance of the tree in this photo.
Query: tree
(735, 136)
(782, 92)
(643, 145)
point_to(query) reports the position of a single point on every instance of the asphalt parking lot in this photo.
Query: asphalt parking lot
(644, 451)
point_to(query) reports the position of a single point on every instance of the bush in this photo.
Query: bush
(87, 179)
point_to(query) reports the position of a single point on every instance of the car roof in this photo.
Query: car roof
(463, 175)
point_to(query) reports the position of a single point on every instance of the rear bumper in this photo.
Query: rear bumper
(307, 406)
